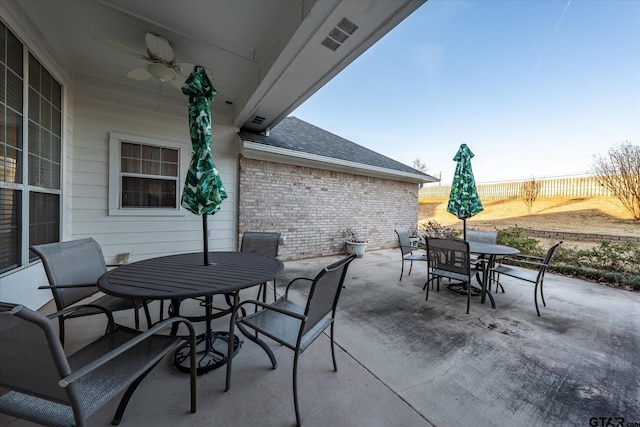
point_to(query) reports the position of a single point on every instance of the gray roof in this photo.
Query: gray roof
(297, 135)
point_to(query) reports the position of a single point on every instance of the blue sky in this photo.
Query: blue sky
(535, 88)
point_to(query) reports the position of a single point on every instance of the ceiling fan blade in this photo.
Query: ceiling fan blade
(121, 47)
(159, 47)
(178, 82)
(140, 73)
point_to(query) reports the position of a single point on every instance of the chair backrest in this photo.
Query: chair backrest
(450, 255)
(404, 241)
(32, 360)
(75, 262)
(264, 243)
(549, 254)
(325, 292)
(482, 236)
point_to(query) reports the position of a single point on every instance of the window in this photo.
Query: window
(29, 158)
(143, 176)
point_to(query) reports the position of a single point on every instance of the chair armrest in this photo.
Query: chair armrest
(286, 292)
(84, 285)
(523, 258)
(527, 260)
(478, 261)
(81, 372)
(269, 306)
(68, 310)
(414, 248)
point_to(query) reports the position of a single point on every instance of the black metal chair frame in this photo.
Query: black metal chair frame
(478, 260)
(47, 387)
(450, 259)
(407, 250)
(292, 325)
(73, 268)
(535, 276)
(265, 243)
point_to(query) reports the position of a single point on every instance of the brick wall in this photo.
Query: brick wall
(311, 206)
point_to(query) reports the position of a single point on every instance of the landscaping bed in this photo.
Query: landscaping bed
(600, 238)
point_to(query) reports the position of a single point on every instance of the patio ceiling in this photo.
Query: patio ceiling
(267, 56)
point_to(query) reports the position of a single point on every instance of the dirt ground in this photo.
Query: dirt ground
(591, 215)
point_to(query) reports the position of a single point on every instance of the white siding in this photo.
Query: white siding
(93, 108)
(22, 287)
(85, 192)
(143, 237)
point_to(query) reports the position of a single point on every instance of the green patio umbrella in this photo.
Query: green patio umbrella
(464, 201)
(203, 191)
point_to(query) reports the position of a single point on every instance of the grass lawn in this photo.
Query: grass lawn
(589, 215)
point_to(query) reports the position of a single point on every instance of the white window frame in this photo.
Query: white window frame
(115, 175)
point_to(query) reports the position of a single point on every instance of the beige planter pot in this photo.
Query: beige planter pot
(356, 248)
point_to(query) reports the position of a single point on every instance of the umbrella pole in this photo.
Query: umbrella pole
(464, 229)
(205, 239)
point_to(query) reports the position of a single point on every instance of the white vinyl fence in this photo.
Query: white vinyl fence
(555, 187)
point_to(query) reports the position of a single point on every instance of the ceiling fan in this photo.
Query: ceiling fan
(160, 60)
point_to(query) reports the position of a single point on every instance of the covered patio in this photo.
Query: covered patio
(404, 361)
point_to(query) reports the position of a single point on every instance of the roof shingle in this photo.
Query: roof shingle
(298, 135)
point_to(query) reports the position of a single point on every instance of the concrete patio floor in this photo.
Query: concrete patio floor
(404, 361)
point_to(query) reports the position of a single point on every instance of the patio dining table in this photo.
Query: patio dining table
(179, 277)
(489, 251)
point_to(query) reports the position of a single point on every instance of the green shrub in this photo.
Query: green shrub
(612, 278)
(516, 238)
(623, 257)
(616, 264)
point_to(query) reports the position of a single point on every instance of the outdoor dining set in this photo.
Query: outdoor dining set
(44, 384)
(477, 256)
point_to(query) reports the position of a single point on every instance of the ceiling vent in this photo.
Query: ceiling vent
(331, 44)
(339, 34)
(258, 120)
(347, 26)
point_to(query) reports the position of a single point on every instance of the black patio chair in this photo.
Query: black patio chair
(407, 250)
(449, 259)
(292, 325)
(40, 384)
(477, 260)
(73, 268)
(264, 243)
(534, 273)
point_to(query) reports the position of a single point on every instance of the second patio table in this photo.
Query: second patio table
(491, 251)
(182, 276)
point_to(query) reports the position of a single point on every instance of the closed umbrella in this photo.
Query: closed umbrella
(203, 194)
(203, 191)
(464, 201)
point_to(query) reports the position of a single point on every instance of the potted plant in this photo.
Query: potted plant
(414, 237)
(434, 229)
(355, 245)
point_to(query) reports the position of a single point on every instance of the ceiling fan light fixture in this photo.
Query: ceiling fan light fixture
(161, 72)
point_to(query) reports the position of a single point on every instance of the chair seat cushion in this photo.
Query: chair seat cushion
(101, 385)
(32, 408)
(283, 328)
(105, 382)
